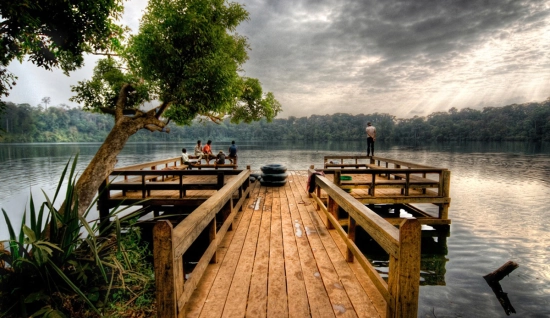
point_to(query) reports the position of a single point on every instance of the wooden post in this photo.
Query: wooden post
(212, 238)
(444, 191)
(163, 252)
(337, 181)
(371, 190)
(351, 236)
(226, 211)
(102, 204)
(247, 183)
(404, 275)
(332, 208)
(219, 184)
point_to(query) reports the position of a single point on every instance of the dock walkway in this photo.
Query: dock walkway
(281, 261)
(224, 246)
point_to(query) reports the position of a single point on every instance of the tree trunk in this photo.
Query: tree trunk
(104, 161)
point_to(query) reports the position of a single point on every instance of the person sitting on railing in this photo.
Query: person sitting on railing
(207, 151)
(185, 158)
(220, 158)
(198, 152)
(233, 152)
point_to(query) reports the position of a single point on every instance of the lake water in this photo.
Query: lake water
(500, 209)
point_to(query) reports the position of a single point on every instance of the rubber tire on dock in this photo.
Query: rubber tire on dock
(273, 168)
(272, 183)
(274, 177)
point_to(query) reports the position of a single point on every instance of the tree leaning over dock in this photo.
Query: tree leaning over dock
(187, 57)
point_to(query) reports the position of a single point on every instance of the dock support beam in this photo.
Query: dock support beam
(404, 276)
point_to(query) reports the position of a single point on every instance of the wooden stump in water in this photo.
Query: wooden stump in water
(493, 280)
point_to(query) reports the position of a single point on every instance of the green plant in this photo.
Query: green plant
(60, 264)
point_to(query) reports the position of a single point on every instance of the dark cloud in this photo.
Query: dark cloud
(402, 57)
(380, 47)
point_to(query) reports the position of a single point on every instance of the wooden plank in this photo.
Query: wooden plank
(365, 282)
(298, 305)
(277, 300)
(190, 228)
(319, 302)
(361, 259)
(235, 305)
(199, 297)
(215, 302)
(361, 302)
(341, 305)
(257, 296)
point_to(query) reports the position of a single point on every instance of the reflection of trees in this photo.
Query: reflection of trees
(521, 122)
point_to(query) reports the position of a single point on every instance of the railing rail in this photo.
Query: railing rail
(170, 244)
(402, 245)
(152, 164)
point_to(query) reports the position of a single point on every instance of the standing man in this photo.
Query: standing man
(371, 137)
(233, 152)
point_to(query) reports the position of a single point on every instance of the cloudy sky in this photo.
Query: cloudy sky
(405, 58)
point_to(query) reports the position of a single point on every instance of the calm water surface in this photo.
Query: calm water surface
(499, 209)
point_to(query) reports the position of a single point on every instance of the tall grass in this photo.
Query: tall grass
(71, 267)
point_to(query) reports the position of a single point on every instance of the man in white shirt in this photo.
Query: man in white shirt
(371, 137)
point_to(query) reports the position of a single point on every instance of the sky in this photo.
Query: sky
(406, 58)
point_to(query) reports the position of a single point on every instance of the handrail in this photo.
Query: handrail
(151, 164)
(403, 246)
(170, 244)
(373, 159)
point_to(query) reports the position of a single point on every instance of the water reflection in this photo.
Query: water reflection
(499, 209)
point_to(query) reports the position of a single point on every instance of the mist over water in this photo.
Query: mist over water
(499, 207)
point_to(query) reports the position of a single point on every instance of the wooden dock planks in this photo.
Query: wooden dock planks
(280, 261)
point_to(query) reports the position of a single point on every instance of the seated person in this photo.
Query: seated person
(220, 158)
(185, 158)
(233, 152)
(198, 151)
(207, 151)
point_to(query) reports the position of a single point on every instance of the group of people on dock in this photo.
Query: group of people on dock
(205, 152)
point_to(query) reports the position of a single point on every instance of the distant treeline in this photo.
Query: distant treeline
(517, 122)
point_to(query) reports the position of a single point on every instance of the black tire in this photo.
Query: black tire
(272, 183)
(274, 177)
(273, 168)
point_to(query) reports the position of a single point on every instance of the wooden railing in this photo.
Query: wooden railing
(170, 244)
(402, 245)
(153, 165)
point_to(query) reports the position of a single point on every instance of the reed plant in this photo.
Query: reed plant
(59, 264)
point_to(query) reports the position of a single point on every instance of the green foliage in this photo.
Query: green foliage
(72, 269)
(55, 34)
(514, 122)
(188, 56)
(101, 92)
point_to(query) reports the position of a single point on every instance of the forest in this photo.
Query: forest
(516, 122)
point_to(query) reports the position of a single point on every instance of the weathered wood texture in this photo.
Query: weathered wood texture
(403, 247)
(281, 261)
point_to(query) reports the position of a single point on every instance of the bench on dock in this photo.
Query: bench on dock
(167, 179)
(430, 184)
(209, 158)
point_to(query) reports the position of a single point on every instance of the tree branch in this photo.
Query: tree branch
(160, 110)
(121, 101)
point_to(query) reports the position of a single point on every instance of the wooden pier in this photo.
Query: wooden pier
(270, 251)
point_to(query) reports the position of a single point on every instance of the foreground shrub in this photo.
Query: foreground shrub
(61, 265)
